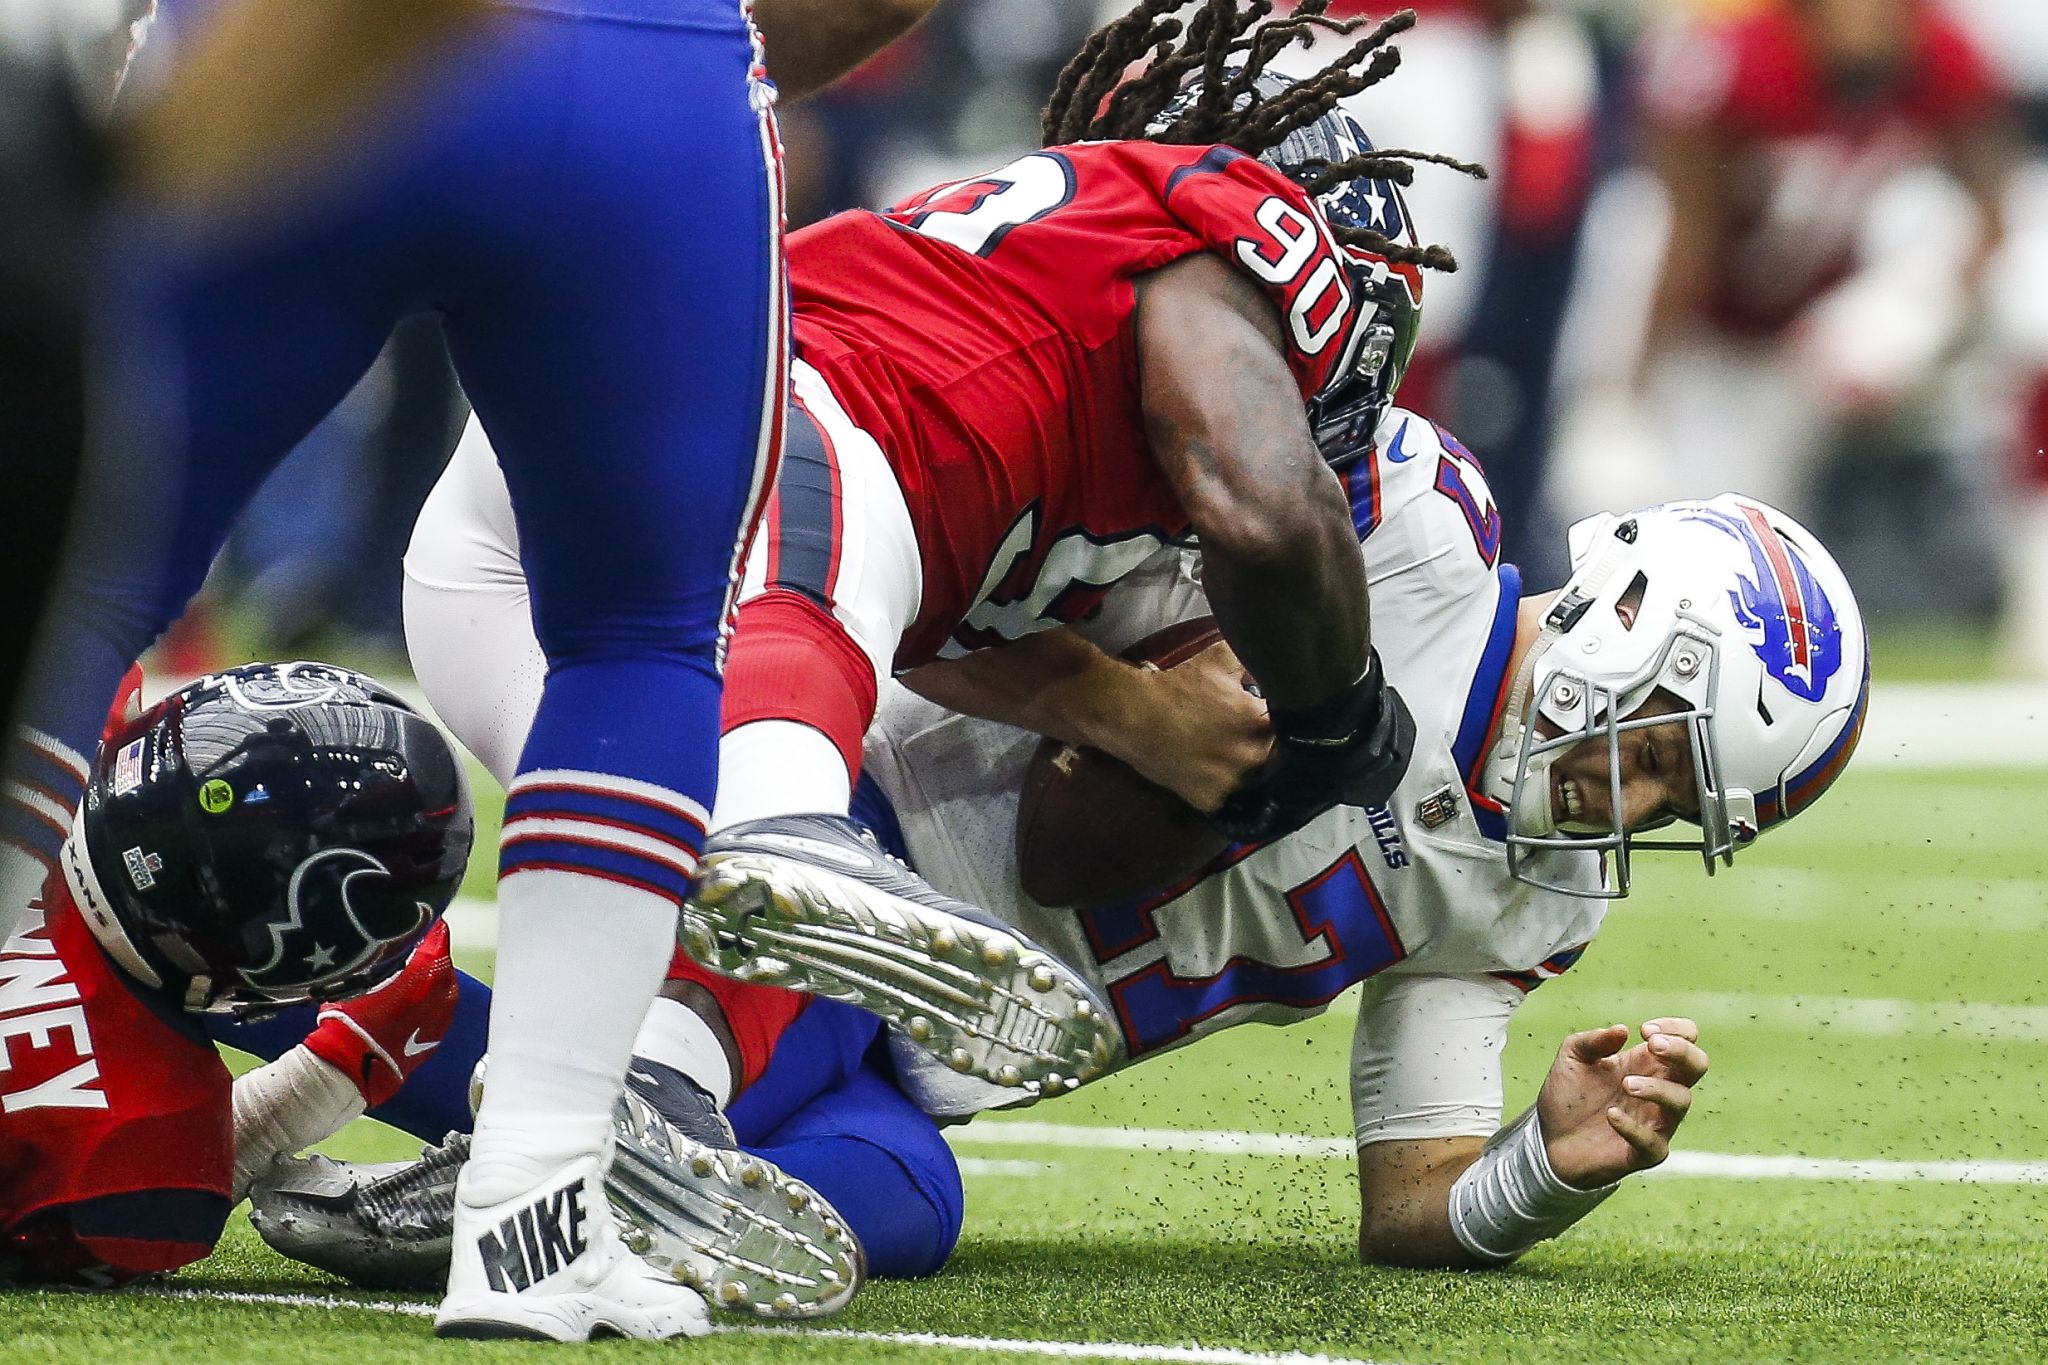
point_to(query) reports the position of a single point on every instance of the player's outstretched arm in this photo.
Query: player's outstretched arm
(357, 1057)
(1606, 1111)
(812, 43)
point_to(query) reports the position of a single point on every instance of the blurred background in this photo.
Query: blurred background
(1793, 247)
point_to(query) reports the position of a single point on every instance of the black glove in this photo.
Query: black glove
(1349, 751)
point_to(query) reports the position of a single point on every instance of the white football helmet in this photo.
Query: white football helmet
(1739, 614)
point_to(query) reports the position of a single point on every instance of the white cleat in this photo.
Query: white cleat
(549, 1265)
(807, 902)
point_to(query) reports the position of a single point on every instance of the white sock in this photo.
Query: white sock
(579, 960)
(676, 1035)
(778, 767)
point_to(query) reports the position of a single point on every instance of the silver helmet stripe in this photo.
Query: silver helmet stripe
(83, 881)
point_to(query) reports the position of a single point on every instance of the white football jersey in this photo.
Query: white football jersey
(1414, 896)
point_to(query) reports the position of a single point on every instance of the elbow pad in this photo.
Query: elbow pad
(1351, 750)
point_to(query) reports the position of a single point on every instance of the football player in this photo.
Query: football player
(1702, 677)
(270, 837)
(1012, 391)
(521, 179)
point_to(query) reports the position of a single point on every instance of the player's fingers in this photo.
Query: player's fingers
(1683, 1028)
(1679, 1059)
(1670, 1096)
(1597, 1043)
(1649, 1144)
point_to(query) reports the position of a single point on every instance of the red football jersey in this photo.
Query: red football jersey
(116, 1127)
(1809, 157)
(982, 333)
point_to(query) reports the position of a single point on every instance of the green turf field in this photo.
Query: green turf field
(1867, 984)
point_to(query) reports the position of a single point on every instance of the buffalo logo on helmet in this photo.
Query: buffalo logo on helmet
(1791, 623)
(330, 926)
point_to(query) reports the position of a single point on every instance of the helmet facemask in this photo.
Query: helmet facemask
(1344, 418)
(1581, 708)
(1563, 697)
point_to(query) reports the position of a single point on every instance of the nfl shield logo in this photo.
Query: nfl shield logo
(1438, 808)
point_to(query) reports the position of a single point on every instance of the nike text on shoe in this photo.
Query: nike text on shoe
(549, 1265)
(809, 903)
(730, 1225)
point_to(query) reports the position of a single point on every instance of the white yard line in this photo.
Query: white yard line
(1912, 726)
(976, 1165)
(1855, 1016)
(1917, 726)
(474, 925)
(1052, 1350)
(1707, 1165)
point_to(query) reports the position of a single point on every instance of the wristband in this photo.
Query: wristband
(1338, 720)
(1511, 1199)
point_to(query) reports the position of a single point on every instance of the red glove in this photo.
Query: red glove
(127, 704)
(380, 1038)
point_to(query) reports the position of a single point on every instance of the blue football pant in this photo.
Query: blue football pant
(593, 207)
(826, 1110)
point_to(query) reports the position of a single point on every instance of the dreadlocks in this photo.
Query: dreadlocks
(1231, 43)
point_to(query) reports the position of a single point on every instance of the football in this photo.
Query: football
(1090, 830)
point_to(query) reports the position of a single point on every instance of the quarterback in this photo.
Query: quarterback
(1701, 678)
(1705, 670)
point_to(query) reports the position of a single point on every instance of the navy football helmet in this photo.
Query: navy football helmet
(268, 836)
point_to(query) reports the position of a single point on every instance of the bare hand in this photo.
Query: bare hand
(1203, 732)
(1608, 1109)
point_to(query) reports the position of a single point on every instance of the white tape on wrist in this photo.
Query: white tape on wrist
(1510, 1199)
(285, 1107)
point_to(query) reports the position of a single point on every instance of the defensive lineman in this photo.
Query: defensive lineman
(1480, 879)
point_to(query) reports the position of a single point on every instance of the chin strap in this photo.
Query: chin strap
(1504, 760)
(1498, 777)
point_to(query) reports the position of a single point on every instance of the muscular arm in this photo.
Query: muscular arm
(1052, 683)
(1280, 556)
(812, 43)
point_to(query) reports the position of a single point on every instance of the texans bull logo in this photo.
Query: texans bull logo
(1790, 622)
(288, 686)
(338, 915)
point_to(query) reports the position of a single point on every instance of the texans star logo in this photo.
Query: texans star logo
(1790, 622)
(324, 934)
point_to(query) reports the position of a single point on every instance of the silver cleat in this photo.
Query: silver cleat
(381, 1226)
(741, 1232)
(810, 904)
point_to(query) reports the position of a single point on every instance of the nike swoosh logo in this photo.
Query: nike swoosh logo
(816, 850)
(415, 1048)
(1396, 455)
